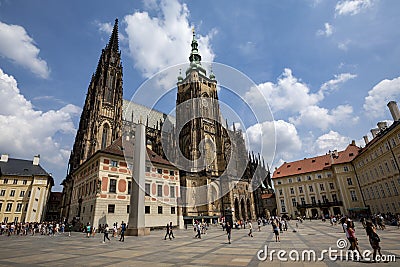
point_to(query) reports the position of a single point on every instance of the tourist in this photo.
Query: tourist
(198, 228)
(250, 229)
(171, 233)
(167, 233)
(259, 224)
(88, 232)
(228, 231)
(352, 238)
(105, 231)
(373, 239)
(123, 228)
(276, 231)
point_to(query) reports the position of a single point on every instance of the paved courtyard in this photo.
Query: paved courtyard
(212, 250)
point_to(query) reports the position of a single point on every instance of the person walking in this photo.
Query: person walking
(88, 232)
(250, 229)
(374, 239)
(198, 228)
(105, 231)
(276, 231)
(171, 233)
(167, 233)
(228, 231)
(352, 238)
(123, 228)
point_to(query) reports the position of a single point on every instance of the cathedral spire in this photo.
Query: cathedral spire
(113, 43)
(194, 54)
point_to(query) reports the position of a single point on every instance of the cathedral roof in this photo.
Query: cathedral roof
(318, 163)
(134, 112)
(120, 148)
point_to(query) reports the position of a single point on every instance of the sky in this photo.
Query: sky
(326, 69)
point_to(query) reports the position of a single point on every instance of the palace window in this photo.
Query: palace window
(5, 181)
(388, 189)
(129, 187)
(172, 191)
(172, 173)
(311, 188)
(280, 192)
(160, 209)
(12, 193)
(331, 186)
(353, 195)
(147, 189)
(24, 182)
(303, 201)
(147, 209)
(114, 163)
(349, 181)
(345, 168)
(159, 190)
(113, 186)
(111, 208)
(159, 171)
(321, 186)
(15, 181)
(294, 202)
(382, 191)
(396, 193)
(313, 201)
(291, 190)
(334, 198)
(324, 199)
(127, 209)
(301, 189)
(299, 179)
(172, 210)
(22, 194)
(9, 207)
(2, 193)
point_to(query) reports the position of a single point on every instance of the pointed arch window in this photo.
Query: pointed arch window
(106, 130)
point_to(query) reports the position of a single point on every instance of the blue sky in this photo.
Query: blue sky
(326, 68)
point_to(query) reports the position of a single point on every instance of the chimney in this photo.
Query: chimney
(394, 110)
(374, 132)
(366, 139)
(36, 160)
(353, 142)
(4, 158)
(382, 125)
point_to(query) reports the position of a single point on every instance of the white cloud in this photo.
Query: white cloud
(352, 7)
(327, 31)
(378, 97)
(330, 141)
(27, 132)
(334, 83)
(288, 94)
(107, 27)
(344, 45)
(322, 118)
(20, 48)
(286, 144)
(159, 42)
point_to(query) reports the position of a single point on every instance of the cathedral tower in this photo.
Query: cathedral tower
(101, 119)
(201, 135)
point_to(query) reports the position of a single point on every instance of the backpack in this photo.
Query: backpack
(375, 237)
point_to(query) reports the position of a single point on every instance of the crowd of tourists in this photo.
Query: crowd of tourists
(33, 228)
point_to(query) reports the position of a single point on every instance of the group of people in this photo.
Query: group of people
(31, 228)
(370, 229)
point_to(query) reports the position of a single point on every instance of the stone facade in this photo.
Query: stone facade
(24, 190)
(319, 186)
(377, 166)
(102, 189)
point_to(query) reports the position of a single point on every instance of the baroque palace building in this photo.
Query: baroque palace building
(357, 180)
(97, 187)
(24, 190)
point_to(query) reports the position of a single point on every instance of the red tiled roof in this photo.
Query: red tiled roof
(127, 148)
(316, 163)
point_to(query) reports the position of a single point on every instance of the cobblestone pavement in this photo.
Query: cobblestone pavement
(211, 250)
